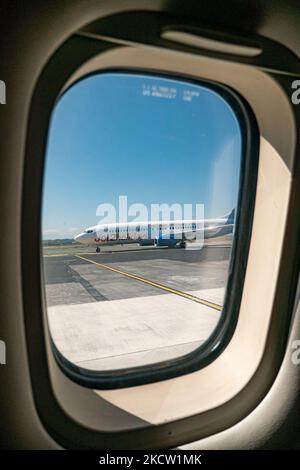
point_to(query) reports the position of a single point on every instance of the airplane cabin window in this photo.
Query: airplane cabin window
(166, 153)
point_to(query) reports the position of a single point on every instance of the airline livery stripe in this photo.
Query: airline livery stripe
(155, 284)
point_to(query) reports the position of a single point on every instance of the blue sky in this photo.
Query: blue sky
(154, 140)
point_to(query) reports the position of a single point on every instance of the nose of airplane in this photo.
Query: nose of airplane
(78, 237)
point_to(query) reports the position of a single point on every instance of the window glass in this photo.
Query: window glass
(123, 149)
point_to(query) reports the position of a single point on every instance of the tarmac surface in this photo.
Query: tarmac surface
(127, 308)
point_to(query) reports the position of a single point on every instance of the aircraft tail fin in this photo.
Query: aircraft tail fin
(230, 217)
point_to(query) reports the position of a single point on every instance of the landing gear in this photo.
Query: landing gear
(98, 249)
(182, 244)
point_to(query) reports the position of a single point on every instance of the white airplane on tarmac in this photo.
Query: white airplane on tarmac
(169, 233)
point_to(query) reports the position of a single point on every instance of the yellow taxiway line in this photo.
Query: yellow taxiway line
(155, 284)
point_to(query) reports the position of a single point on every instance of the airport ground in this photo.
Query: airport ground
(129, 306)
